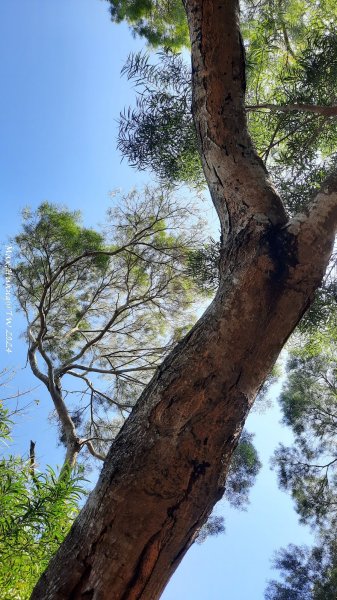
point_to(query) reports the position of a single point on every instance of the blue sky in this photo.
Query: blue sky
(61, 96)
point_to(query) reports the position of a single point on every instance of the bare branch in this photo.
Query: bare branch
(111, 371)
(123, 406)
(92, 450)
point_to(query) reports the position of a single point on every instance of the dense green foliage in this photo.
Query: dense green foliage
(291, 45)
(161, 23)
(36, 512)
(243, 470)
(307, 574)
(308, 469)
(159, 133)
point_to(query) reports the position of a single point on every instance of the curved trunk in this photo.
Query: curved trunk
(168, 465)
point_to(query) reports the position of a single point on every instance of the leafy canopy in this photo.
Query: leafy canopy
(161, 23)
(36, 513)
(104, 307)
(307, 574)
(308, 469)
(291, 58)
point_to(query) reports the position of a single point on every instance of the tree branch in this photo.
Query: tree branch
(316, 230)
(286, 38)
(325, 111)
(111, 371)
(34, 367)
(237, 178)
(99, 393)
(72, 441)
(92, 450)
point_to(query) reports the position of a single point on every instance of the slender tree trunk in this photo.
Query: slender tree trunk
(168, 465)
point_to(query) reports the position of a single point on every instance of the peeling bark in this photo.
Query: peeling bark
(168, 465)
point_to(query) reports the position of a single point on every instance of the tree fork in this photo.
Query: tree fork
(168, 465)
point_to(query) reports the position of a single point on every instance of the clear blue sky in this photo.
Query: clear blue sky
(61, 95)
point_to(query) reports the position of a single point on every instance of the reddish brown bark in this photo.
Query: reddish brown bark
(168, 465)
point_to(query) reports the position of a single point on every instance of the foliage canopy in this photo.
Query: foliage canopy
(107, 304)
(309, 403)
(36, 513)
(291, 57)
(306, 574)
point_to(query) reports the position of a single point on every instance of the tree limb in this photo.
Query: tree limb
(316, 229)
(112, 371)
(238, 181)
(325, 111)
(92, 450)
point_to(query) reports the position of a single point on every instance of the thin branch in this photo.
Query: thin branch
(325, 111)
(92, 450)
(98, 392)
(111, 371)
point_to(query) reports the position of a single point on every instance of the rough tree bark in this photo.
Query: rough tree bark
(167, 467)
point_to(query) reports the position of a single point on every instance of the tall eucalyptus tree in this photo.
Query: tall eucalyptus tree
(168, 465)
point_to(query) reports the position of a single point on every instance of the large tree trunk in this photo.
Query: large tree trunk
(167, 467)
